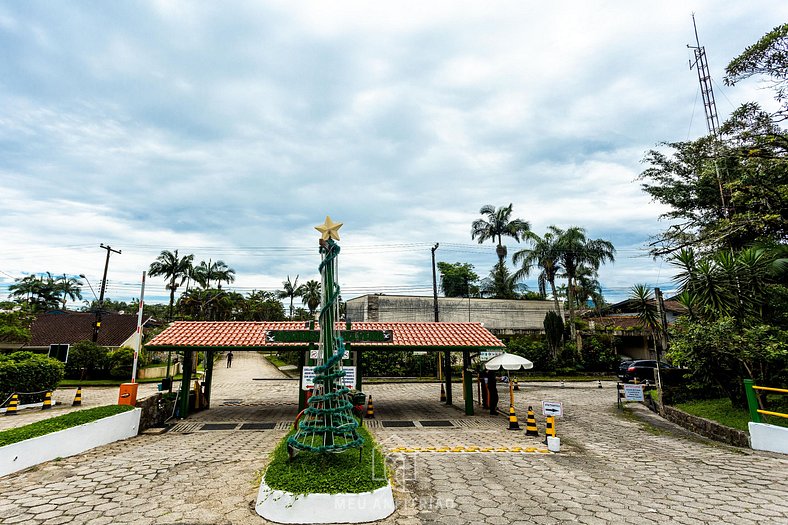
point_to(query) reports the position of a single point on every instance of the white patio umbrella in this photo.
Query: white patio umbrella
(508, 362)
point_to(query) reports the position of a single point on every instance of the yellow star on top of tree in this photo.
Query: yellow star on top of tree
(329, 229)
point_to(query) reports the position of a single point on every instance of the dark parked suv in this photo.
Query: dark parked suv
(642, 370)
(622, 370)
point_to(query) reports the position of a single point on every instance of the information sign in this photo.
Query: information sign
(308, 376)
(633, 392)
(552, 408)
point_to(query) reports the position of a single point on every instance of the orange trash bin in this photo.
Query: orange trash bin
(128, 394)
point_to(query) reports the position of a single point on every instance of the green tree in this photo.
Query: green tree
(501, 284)
(311, 296)
(291, 290)
(206, 273)
(458, 279)
(14, 327)
(68, 288)
(263, 306)
(554, 332)
(498, 224)
(577, 252)
(38, 293)
(646, 308)
(767, 57)
(174, 268)
(543, 254)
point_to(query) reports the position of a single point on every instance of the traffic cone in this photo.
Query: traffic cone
(443, 394)
(562, 384)
(77, 398)
(599, 384)
(513, 424)
(370, 409)
(11, 409)
(516, 385)
(530, 424)
(47, 404)
(549, 430)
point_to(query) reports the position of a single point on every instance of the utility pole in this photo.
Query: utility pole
(97, 325)
(434, 283)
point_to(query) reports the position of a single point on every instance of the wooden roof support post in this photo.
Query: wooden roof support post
(447, 375)
(467, 381)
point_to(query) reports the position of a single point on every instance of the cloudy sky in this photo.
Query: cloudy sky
(229, 129)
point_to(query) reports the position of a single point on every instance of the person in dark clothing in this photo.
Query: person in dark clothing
(229, 359)
(493, 389)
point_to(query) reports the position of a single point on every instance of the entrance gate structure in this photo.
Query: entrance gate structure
(223, 336)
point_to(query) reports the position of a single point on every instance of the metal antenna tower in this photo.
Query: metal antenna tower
(701, 64)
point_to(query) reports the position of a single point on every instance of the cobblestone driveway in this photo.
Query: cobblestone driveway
(613, 468)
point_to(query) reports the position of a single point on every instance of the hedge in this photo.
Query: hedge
(28, 372)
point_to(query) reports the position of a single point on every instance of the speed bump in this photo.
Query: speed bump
(471, 449)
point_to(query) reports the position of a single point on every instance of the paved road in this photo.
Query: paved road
(613, 468)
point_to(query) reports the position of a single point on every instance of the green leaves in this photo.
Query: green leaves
(54, 424)
(28, 372)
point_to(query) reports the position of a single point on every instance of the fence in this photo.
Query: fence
(752, 401)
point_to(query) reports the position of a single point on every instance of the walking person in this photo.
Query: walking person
(493, 390)
(229, 359)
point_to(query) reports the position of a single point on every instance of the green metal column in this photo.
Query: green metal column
(302, 357)
(752, 401)
(186, 380)
(208, 377)
(447, 375)
(467, 382)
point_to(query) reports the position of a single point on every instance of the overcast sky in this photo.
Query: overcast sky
(230, 129)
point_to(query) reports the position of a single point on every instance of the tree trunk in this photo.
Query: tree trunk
(571, 299)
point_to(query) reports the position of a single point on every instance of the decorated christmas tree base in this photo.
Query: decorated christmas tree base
(315, 474)
(280, 506)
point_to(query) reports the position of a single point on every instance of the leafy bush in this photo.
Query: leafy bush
(599, 354)
(87, 356)
(54, 424)
(533, 348)
(28, 372)
(120, 363)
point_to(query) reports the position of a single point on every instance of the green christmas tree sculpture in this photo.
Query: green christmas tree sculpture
(328, 424)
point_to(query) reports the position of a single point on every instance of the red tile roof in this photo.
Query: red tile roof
(252, 334)
(617, 322)
(64, 327)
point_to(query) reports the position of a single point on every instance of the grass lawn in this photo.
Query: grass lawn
(311, 473)
(47, 426)
(721, 411)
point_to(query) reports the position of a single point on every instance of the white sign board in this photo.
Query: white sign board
(316, 353)
(308, 376)
(633, 392)
(552, 408)
(486, 356)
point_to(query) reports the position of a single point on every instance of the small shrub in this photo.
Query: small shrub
(28, 372)
(120, 363)
(86, 360)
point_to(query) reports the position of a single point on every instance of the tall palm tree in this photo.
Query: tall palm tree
(498, 224)
(291, 290)
(174, 268)
(218, 271)
(69, 288)
(311, 296)
(543, 254)
(42, 294)
(646, 308)
(576, 251)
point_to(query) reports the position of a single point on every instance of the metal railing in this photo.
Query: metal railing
(752, 401)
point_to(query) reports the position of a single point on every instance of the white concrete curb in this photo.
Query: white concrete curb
(285, 507)
(69, 442)
(768, 437)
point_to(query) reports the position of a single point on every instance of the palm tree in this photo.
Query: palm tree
(69, 288)
(497, 225)
(204, 273)
(576, 251)
(543, 254)
(291, 290)
(174, 268)
(311, 296)
(646, 308)
(42, 294)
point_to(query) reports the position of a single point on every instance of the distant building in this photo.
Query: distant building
(502, 317)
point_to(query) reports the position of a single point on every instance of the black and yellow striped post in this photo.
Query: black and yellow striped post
(513, 424)
(11, 409)
(516, 385)
(370, 409)
(77, 398)
(47, 404)
(549, 430)
(530, 424)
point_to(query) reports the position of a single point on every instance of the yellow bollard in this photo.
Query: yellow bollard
(370, 409)
(77, 398)
(530, 424)
(47, 404)
(11, 410)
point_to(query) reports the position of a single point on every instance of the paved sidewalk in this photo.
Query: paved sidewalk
(612, 468)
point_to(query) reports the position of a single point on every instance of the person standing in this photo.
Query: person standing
(229, 359)
(492, 387)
